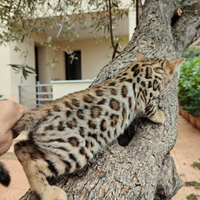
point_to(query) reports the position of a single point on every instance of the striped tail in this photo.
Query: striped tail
(4, 175)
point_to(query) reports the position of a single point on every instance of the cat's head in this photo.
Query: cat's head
(167, 68)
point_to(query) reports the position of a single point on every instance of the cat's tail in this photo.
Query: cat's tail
(32, 119)
(4, 175)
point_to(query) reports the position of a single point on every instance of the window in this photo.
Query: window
(73, 70)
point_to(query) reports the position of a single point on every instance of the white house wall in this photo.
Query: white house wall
(46, 73)
(5, 72)
(93, 57)
(17, 58)
(9, 80)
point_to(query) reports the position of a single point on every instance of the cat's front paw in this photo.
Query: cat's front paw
(158, 117)
(54, 193)
(161, 117)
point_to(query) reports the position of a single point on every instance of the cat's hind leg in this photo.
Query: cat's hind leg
(37, 168)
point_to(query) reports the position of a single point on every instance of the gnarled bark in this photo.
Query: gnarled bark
(144, 168)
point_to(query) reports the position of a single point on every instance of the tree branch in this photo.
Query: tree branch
(152, 37)
(185, 31)
(111, 33)
(138, 5)
(168, 175)
(143, 168)
(110, 19)
(62, 20)
(17, 9)
(129, 172)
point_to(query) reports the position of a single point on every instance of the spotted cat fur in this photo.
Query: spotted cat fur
(64, 135)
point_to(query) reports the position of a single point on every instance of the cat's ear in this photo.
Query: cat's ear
(140, 57)
(169, 66)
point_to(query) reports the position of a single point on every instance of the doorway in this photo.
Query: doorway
(36, 64)
(73, 70)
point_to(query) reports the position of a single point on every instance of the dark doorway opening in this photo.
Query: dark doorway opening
(73, 70)
(36, 64)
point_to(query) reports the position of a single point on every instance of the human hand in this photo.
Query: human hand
(10, 113)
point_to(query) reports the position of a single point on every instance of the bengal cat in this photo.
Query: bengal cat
(64, 135)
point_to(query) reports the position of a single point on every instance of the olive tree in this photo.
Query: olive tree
(143, 169)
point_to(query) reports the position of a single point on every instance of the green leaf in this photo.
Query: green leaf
(192, 197)
(196, 165)
(30, 68)
(23, 24)
(14, 65)
(198, 26)
(114, 4)
(29, 72)
(125, 12)
(22, 40)
(17, 49)
(24, 74)
(16, 69)
(182, 2)
(22, 66)
(186, 4)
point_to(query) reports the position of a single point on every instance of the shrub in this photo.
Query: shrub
(189, 87)
(191, 52)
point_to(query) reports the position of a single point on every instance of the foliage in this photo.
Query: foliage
(196, 165)
(192, 197)
(189, 87)
(22, 18)
(24, 68)
(193, 183)
(183, 3)
(191, 52)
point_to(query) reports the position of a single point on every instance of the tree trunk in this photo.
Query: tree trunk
(144, 168)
